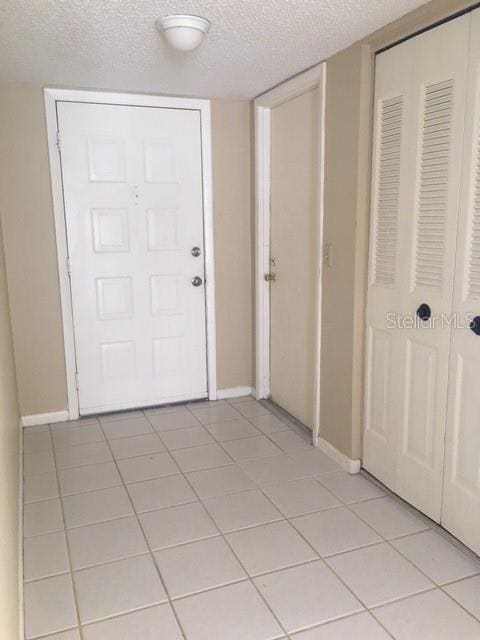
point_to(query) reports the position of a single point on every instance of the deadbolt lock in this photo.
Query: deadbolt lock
(270, 277)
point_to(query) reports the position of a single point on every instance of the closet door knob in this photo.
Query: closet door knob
(424, 312)
(196, 281)
(475, 325)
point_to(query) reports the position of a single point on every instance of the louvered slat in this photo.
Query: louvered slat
(474, 264)
(433, 190)
(388, 191)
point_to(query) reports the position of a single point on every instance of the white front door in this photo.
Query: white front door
(132, 180)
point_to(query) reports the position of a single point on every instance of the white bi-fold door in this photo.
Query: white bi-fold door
(132, 184)
(419, 117)
(461, 498)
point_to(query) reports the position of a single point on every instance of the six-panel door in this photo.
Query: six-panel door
(132, 181)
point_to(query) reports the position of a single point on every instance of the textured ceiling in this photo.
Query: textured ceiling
(113, 44)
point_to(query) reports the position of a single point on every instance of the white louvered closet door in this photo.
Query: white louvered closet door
(392, 100)
(430, 223)
(461, 502)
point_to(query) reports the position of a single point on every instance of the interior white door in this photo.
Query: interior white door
(419, 101)
(293, 225)
(461, 498)
(393, 103)
(430, 216)
(132, 180)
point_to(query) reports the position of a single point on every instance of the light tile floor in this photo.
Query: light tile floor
(219, 521)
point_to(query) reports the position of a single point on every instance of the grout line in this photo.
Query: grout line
(284, 518)
(69, 557)
(151, 553)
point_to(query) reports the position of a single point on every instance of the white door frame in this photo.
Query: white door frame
(298, 85)
(52, 96)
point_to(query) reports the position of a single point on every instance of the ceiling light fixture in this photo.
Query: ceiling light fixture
(183, 32)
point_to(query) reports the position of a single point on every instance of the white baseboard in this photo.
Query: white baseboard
(234, 392)
(44, 418)
(347, 464)
(20, 540)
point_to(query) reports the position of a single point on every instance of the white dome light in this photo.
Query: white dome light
(183, 32)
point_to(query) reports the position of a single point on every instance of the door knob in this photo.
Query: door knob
(196, 251)
(270, 277)
(196, 281)
(424, 312)
(475, 325)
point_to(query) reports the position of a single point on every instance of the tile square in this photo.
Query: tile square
(49, 606)
(269, 547)
(77, 435)
(275, 470)
(126, 427)
(269, 423)
(37, 463)
(96, 506)
(177, 525)
(241, 510)
(83, 479)
(83, 455)
(232, 429)
(198, 566)
(168, 408)
(440, 560)
(285, 593)
(37, 441)
(154, 623)
(179, 419)
(42, 517)
(378, 574)
(60, 427)
(351, 488)
(189, 437)
(134, 446)
(301, 496)
(38, 428)
(251, 448)
(220, 481)
(335, 531)
(215, 413)
(389, 518)
(234, 612)
(314, 461)
(360, 626)
(289, 441)
(210, 455)
(160, 493)
(41, 487)
(105, 541)
(467, 593)
(428, 616)
(45, 556)
(121, 415)
(252, 409)
(155, 465)
(117, 587)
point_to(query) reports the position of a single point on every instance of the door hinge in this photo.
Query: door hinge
(58, 142)
(69, 267)
(77, 383)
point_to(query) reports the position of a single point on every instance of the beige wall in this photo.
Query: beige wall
(26, 207)
(347, 175)
(232, 211)
(9, 471)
